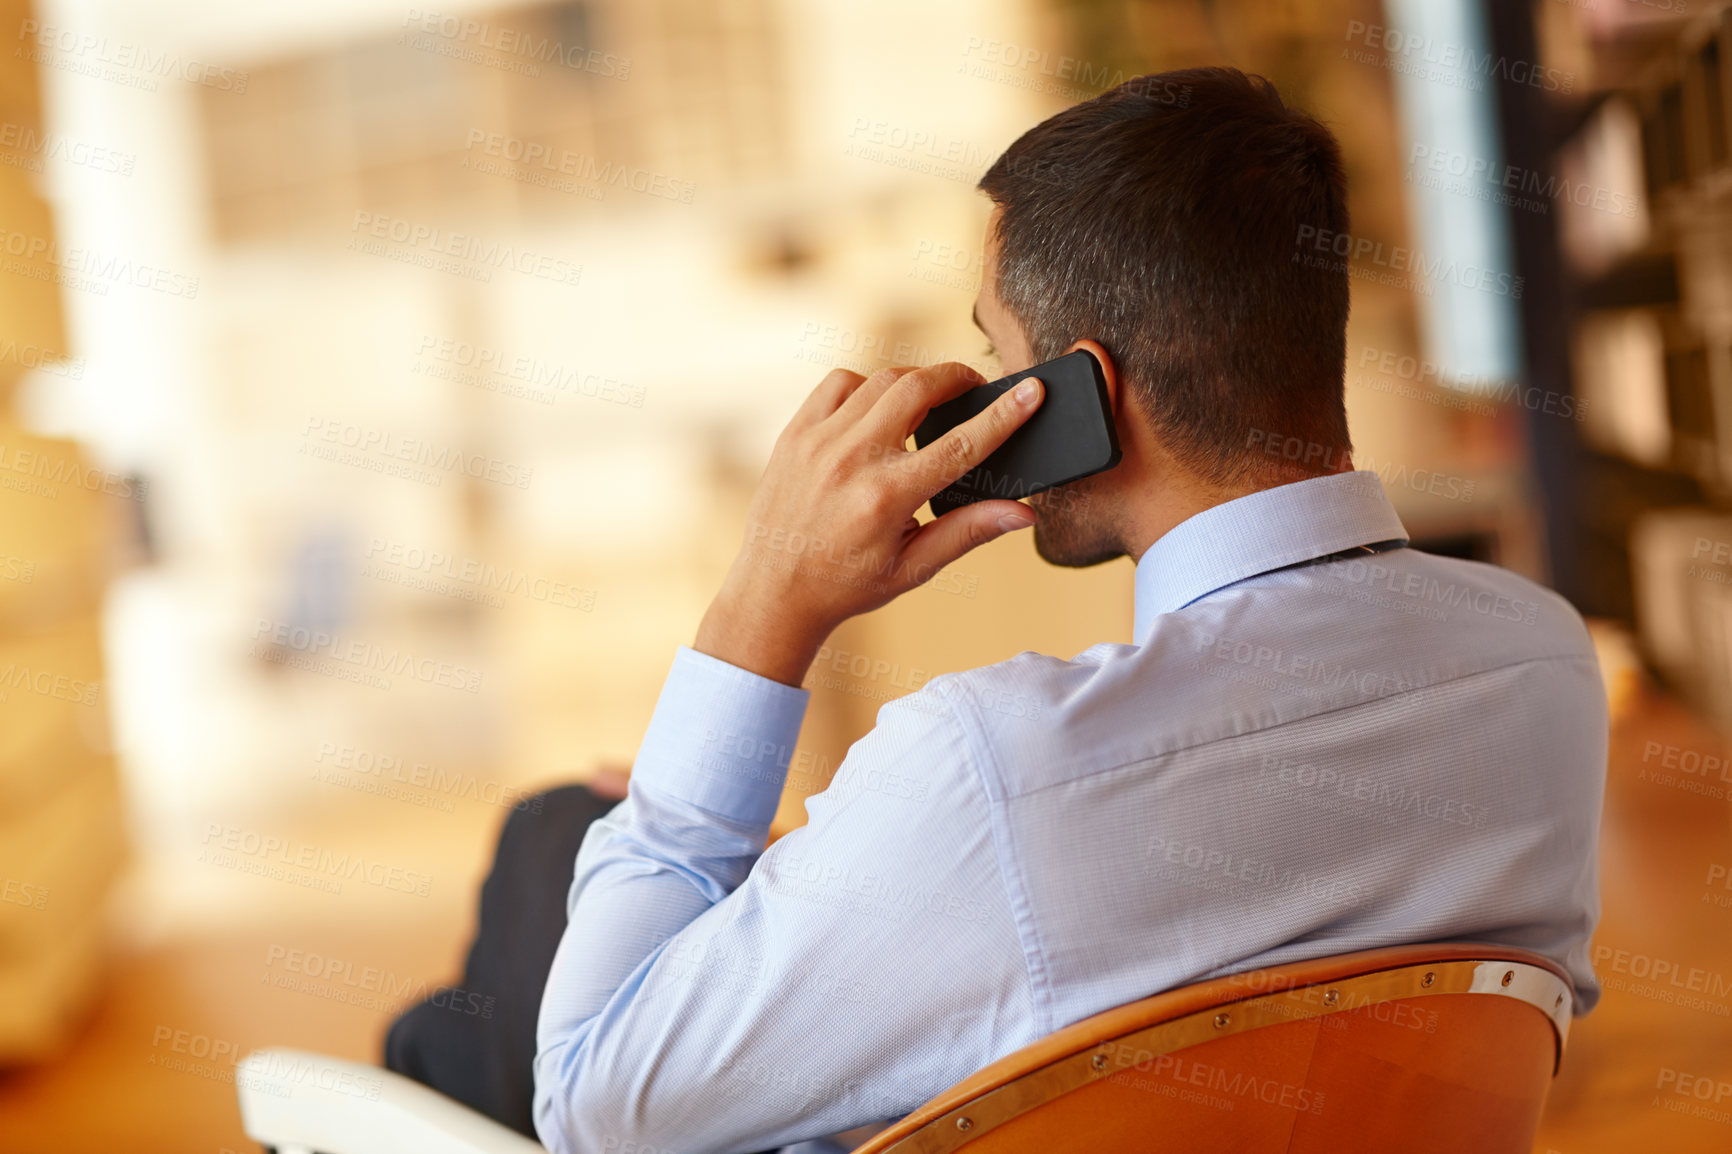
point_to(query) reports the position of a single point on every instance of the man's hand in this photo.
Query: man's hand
(832, 531)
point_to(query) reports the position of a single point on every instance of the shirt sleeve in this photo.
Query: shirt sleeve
(711, 995)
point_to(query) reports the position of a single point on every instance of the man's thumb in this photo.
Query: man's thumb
(942, 541)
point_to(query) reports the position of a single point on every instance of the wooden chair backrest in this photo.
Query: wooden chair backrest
(1442, 1047)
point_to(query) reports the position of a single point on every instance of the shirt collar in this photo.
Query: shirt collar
(1265, 530)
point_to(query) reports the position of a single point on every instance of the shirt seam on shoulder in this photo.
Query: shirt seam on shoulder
(1567, 658)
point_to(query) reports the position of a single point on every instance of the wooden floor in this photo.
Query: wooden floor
(126, 1089)
(1619, 1090)
(1660, 842)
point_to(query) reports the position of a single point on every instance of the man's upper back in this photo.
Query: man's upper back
(1381, 748)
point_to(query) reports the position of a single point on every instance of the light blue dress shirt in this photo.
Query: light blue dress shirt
(1295, 758)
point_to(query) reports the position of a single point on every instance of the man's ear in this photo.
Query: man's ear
(1108, 370)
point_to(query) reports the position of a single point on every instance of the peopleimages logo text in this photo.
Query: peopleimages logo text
(528, 47)
(100, 267)
(1408, 49)
(365, 656)
(432, 241)
(1346, 247)
(88, 53)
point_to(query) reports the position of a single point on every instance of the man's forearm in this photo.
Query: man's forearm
(704, 790)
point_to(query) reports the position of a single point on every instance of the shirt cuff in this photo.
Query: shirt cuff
(721, 738)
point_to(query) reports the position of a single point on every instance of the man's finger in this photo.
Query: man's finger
(826, 398)
(904, 406)
(950, 456)
(861, 400)
(940, 542)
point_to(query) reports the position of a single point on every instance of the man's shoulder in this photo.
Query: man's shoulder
(1018, 686)
(1032, 707)
(1497, 597)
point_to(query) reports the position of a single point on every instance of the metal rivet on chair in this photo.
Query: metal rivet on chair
(1508, 977)
(1428, 979)
(1221, 1020)
(1099, 1062)
(963, 1124)
(1331, 997)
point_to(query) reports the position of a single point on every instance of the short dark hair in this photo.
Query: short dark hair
(1160, 218)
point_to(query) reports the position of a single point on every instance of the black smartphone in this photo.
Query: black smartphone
(1069, 437)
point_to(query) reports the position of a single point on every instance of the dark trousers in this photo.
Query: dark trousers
(475, 1042)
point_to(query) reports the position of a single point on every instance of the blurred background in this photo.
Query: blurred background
(381, 390)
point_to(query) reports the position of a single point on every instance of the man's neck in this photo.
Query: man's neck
(1173, 494)
(1176, 497)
